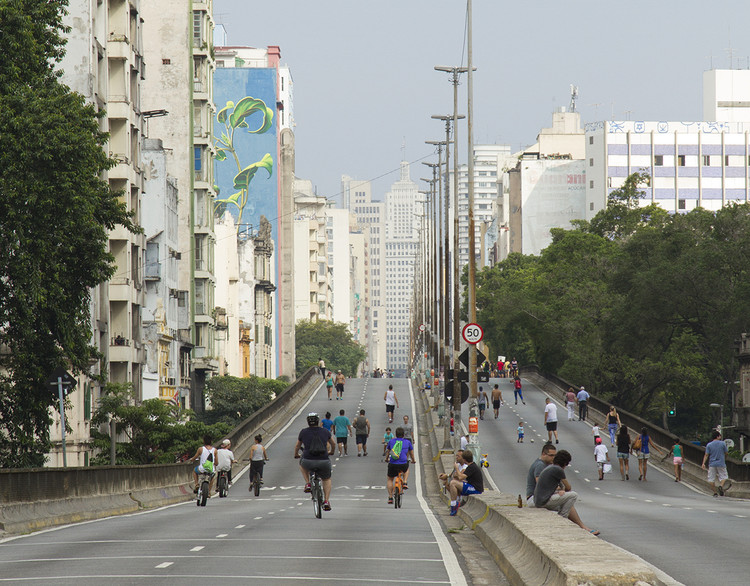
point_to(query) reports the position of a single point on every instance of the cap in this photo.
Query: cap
(583, 388)
(226, 442)
(598, 441)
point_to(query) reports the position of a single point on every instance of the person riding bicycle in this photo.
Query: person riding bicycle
(205, 454)
(258, 457)
(400, 452)
(225, 459)
(317, 444)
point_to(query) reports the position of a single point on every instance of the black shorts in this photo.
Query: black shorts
(496, 403)
(362, 439)
(394, 469)
(341, 440)
(321, 467)
(552, 426)
(390, 408)
(340, 388)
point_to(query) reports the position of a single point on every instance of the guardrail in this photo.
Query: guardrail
(33, 498)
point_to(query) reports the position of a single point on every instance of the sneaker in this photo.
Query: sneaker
(364, 454)
(557, 441)
(326, 506)
(721, 491)
(250, 488)
(454, 510)
(359, 455)
(308, 488)
(195, 490)
(390, 500)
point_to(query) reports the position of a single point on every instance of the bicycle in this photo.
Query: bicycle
(256, 482)
(222, 484)
(204, 486)
(316, 488)
(398, 490)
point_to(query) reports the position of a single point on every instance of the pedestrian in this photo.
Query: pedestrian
(497, 399)
(482, 402)
(517, 392)
(361, 427)
(322, 367)
(623, 452)
(546, 493)
(342, 428)
(570, 403)
(583, 409)
(408, 429)
(500, 368)
(340, 380)
(519, 429)
(329, 385)
(387, 436)
(464, 441)
(327, 422)
(596, 432)
(613, 422)
(601, 457)
(550, 419)
(391, 402)
(677, 460)
(644, 453)
(716, 451)
(514, 367)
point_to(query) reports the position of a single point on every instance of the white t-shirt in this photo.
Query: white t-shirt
(551, 411)
(390, 397)
(595, 431)
(225, 459)
(464, 442)
(600, 452)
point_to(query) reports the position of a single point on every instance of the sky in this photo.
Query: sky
(365, 85)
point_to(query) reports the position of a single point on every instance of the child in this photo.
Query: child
(596, 433)
(677, 460)
(388, 436)
(520, 432)
(601, 456)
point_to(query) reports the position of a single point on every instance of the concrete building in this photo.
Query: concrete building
(401, 250)
(338, 252)
(358, 271)
(256, 76)
(547, 185)
(177, 39)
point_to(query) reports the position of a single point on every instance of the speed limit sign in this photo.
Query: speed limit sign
(473, 333)
(421, 328)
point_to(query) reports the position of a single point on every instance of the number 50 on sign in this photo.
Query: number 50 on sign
(472, 333)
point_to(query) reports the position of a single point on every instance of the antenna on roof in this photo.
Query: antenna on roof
(573, 97)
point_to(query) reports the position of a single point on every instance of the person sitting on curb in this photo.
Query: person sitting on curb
(458, 466)
(470, 481)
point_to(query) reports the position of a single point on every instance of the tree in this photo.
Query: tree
(330, 341)
(156, 432)
(55, 213)
(233, 399)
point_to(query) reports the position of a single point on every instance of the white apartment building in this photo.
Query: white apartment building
(338, 252)
(178, 100)
(370, 215)
(691, 164)
(312, 291)
(104, 63)
(358, 270)
(401, 250)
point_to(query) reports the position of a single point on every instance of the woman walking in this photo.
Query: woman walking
(677, 460)
(329, 385)
(613, 422)
(623, 452)
(644, 452)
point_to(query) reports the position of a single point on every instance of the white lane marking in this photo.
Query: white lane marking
(710, 511)
(254, 578)
(688, 508)
(257, 518)
(197, 548)
(648, 500)
(220, 535)
(666, 505)
(740, 516)
(586, 480)
(632, 498)
(164, 565)
(452, 567)
(239, 526)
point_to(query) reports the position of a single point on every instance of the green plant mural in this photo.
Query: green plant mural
(233, 117)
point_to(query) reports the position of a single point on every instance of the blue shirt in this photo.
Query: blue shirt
(403, 457)
(716, 451)
(327, 423)
(645, 441)
(341, 423)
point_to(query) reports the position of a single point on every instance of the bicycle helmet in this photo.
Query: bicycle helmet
(313, 419)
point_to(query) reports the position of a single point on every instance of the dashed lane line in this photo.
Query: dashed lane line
(164, 565)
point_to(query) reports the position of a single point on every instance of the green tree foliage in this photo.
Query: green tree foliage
(233, 399)
(55, 213)
(640, 305)
(330, 341)
(154, 432)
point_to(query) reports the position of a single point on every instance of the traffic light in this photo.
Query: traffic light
(672, 411)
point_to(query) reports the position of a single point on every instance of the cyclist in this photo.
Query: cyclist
(258, 457)
(204, 453)
(400, 452)
(318, 445)
(225, 460)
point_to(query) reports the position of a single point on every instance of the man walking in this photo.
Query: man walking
(546, 493)
(322, 368)
(391, 402)
(361, 427)
(550, 419)
(497, 399)
(340, 380)
(482, 402)
(716, 451)
(583, 406)
(342, 429)
(570, 403)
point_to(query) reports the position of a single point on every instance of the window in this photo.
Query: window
(658, 160)
(591, 206)
(706, 160)
(591, 140)
(197, 28)
(681, 204)
(680, 160)
(591, 162)
(591, 184)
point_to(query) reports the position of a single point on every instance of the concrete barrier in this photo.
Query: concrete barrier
(32, 499)
(537, 546)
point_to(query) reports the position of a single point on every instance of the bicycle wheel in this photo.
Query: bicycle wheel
(256, 485)
(397, 497)
(203, 493)
(198, 497)
(317, 494)
(222, 482)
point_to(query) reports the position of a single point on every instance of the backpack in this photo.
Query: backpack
(208, 465)
(395, 452)
(317, 448)
(637, 443)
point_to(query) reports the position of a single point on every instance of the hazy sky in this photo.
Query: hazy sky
(364, 83)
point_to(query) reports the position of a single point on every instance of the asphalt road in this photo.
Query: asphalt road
(694, 537)
(273, 538)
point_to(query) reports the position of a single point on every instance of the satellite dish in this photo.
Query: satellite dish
(746, 458)
(729, 442)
